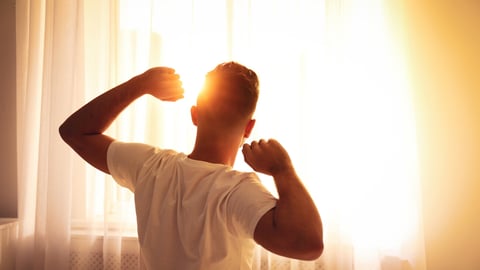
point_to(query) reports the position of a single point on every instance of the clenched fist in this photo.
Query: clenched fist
(162, 83)
(268, 157)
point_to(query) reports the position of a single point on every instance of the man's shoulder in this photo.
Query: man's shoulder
(133, 147)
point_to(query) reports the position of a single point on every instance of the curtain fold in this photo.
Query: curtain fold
(50, 69)
(334, 91)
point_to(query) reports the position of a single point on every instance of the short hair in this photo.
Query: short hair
(231, 91)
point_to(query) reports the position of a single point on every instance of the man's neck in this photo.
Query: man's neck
(215, 151)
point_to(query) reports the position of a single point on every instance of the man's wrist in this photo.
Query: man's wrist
(136, 86)
(285, 172)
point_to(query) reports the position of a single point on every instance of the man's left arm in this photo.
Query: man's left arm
(293, 228)
(83, 130)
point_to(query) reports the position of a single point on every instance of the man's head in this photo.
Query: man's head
(229, 96)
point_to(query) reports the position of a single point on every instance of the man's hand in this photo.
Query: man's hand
(268, 157)
(162, 83)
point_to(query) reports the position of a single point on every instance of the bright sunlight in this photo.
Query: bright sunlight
(333, 90)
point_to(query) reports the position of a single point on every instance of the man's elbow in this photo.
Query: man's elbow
(65, 133)
(311, 249)
(303, 247)
(314, 250)
(69, 135)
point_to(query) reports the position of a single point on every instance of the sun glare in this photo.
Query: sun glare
(192, 81)
(347, 79)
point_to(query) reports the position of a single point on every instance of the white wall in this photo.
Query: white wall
(8, 152)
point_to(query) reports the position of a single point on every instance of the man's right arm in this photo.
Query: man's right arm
(84, 130)
(293, 228)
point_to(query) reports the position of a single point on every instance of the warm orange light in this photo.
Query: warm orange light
(365, 157)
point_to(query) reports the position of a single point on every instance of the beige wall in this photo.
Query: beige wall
(444, 43)
(8, 153)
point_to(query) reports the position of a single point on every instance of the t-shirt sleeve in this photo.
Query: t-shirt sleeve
(125, 161)
(247, 204)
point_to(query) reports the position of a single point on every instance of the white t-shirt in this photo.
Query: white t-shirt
(190, 214)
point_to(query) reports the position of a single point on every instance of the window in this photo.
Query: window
(333, 90)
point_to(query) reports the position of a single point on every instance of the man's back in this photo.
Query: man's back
(290, 225)
(191, 214)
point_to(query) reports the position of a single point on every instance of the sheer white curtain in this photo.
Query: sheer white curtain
(334, 91)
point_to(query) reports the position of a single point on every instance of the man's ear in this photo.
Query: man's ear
(248, 128)
(193, 115)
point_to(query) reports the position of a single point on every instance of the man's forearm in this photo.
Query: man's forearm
(97, 115)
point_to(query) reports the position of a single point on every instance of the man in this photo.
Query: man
(195, 211)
